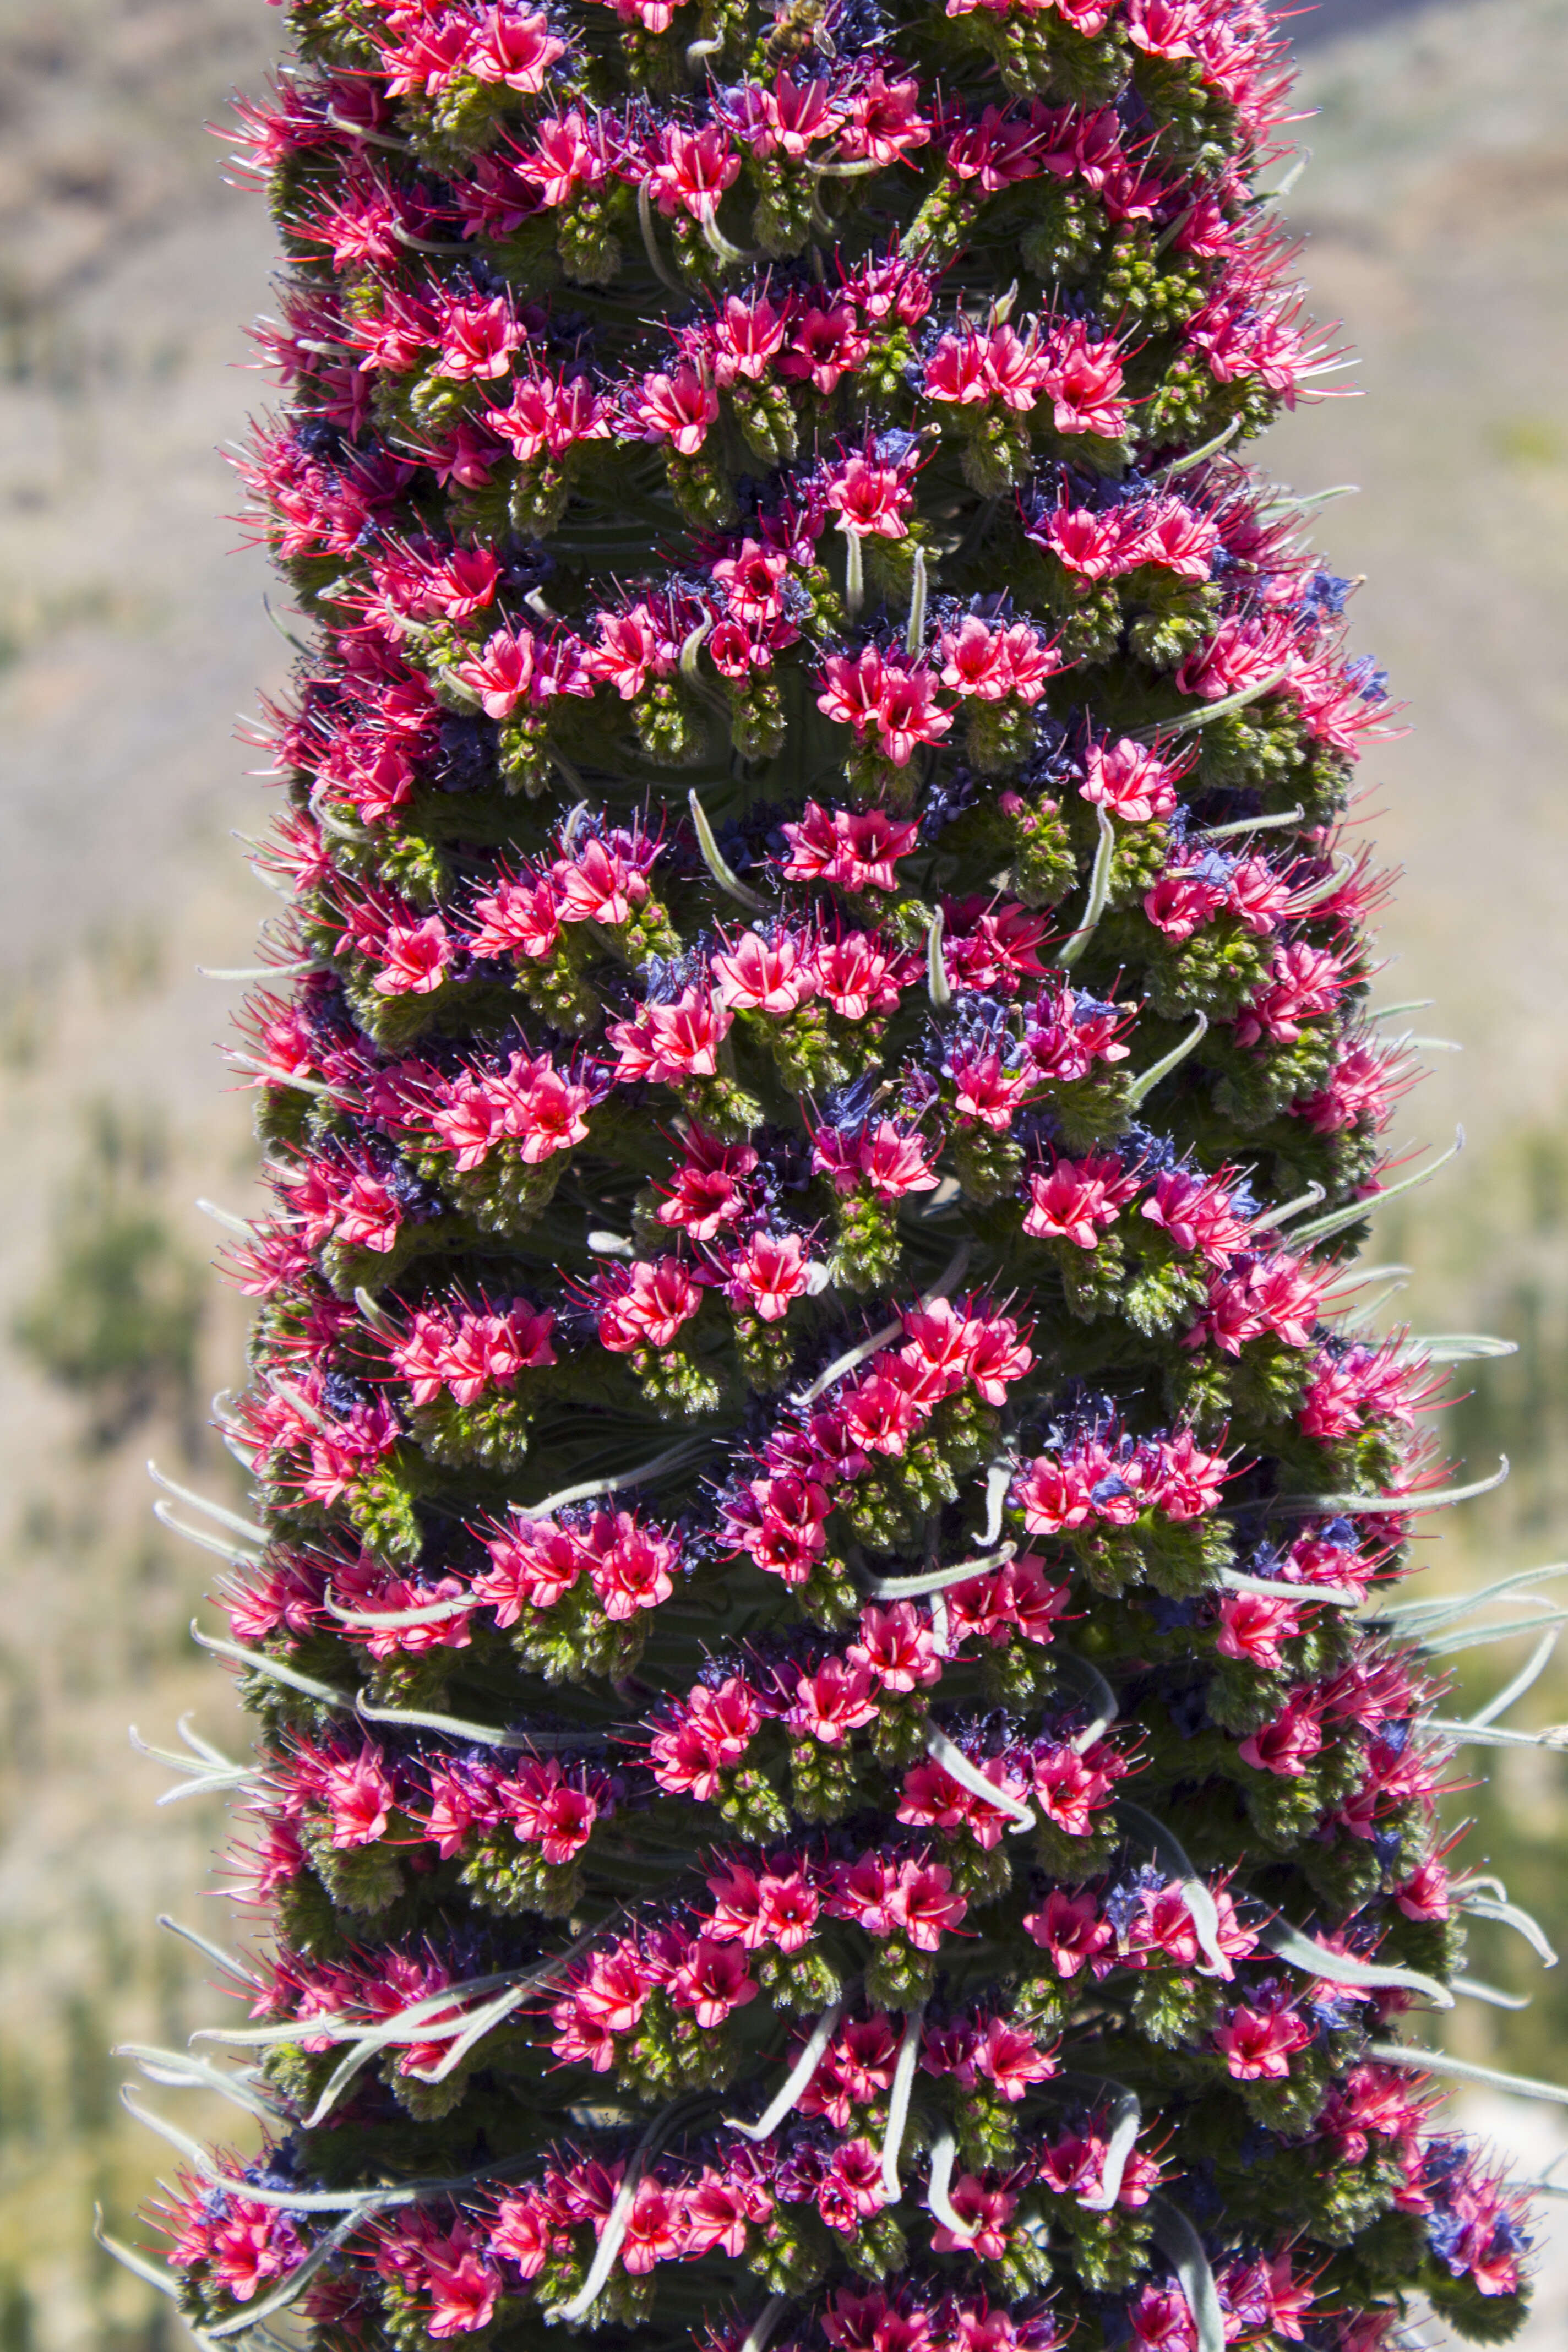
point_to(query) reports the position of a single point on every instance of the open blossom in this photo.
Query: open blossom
(891, 696)
(673, 1041)
(1129, 780)
(678, 409)
(645, 1305)
(768, 1274)
(872, 498)
(991, 665)
(858, 848)
(1077, 1201)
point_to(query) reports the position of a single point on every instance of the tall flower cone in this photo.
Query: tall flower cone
(838, 1767)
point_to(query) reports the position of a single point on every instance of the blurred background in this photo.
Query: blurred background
(1435, 211)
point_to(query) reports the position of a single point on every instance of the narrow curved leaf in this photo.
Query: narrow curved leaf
(1439, 2062)
(1288, 1944)
(1183, 2247)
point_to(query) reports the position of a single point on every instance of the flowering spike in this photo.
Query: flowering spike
(824, 1505)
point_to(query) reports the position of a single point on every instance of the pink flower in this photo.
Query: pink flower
(1182, 901)
(983, 2213)
(873, 499)
(1007, 2057)
(1091, 545)
(790, 117)
(889, 1162)
(760, 974)
(709, 1190)
(654, 2230)
(695, 169)
(1081, 377)
(597, 885)
(852, 2191)
(955, 372)
(568, 154)
(879, 1414)
(643, 1305)
(1078, 1200)
(1196, 1213)
(856, 849)
(711, 1983)
(245, 2245)
(677, 408)
(463, 2288)
(1287, 1745)
(890, 693)
(517, 919)
(825, 344)
(478, 339)
(462, 585)
(633, 645)
(1258, 2044)
(752, 580)
(884, 123)
(835, 1700)
(1068, 1926)
(523, 2233)
(501, 674)
(771, 1270)
(629, 1565)
(358, 1795)
(989, 665)
(993, 152)
(1425, 1894)
(1168, 533)
(897, 1647)
(1304, 983)
(924, 1905)
(1129, 781)
(747, 335)
(672, 1041)
(414, 958)
(517, 51)
(1252, 1627)
(1162, 2320)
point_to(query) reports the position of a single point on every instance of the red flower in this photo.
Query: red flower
(856, 849)
(414, 958)
(711, 1981)
(478, 339)
(771, 1270)
(763, 975)
(1068, 1926)
(983, 2214)
(694, 170)
(1079, 1200)
(677, 408)
(1258, 2044)
(645, 1305)
(517, 51)
(672, 1041)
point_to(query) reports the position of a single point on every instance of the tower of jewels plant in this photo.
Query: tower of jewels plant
(839, 1767)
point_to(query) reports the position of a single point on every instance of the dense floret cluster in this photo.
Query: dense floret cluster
(831, 1770)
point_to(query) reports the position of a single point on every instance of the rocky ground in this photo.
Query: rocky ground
(1435, 211)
